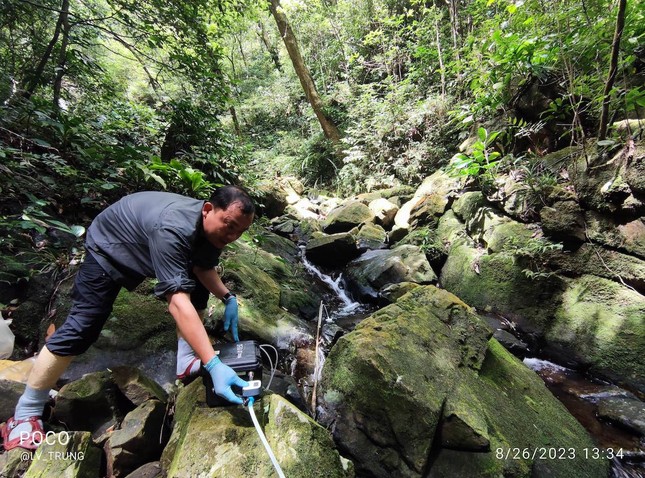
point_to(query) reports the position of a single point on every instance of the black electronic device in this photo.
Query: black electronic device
(245, 358)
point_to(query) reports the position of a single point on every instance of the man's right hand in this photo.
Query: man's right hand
(223, 377)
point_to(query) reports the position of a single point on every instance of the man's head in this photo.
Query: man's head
(228, 213)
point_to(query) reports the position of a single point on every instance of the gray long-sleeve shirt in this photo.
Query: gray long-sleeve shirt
(152, 234)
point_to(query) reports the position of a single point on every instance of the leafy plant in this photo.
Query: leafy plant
(533, 251)
(482, 161)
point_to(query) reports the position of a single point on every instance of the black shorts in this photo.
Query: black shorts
(93, 296)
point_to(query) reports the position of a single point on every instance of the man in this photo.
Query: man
(176, 239)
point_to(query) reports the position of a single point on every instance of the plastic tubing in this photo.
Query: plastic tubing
(276, 465)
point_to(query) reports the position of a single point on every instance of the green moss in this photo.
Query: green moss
(497, 282)
(529, 417)
(602, 322)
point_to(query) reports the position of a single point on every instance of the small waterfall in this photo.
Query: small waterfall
(348, 306)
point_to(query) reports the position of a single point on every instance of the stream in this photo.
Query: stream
(579, 392)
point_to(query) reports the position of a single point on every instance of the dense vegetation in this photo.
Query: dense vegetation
(104, 97)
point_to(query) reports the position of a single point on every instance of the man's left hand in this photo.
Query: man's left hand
(230, 316)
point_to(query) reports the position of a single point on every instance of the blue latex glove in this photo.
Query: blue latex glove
(230, 316)
(223, 377)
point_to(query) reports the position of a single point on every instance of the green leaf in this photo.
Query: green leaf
(481, 132)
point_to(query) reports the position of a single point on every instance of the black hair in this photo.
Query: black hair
(223, 197)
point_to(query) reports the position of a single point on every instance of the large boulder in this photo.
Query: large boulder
(498, 283)
(223, 441)
(599, 323)
(374, 270)
(332, 250)
(347, 216)
(431, 199)
(418, 389)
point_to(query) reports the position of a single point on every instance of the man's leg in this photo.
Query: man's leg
(187, 362)
(94, 293)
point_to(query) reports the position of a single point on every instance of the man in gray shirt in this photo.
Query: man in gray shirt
(177, 240)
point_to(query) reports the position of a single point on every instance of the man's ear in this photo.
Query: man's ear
(207, 207)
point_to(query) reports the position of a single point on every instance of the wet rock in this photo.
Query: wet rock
(272, 291)
(137, 440)
(332, 250)
(372, 271)
(511, 343)
(389, 386)
(347, 216)
(68, 454)
(626, 412)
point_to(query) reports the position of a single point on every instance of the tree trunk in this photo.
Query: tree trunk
(40, 68)
(62, 57)
(273, 51)
(613, 68)
(307, 82)
(442, 68)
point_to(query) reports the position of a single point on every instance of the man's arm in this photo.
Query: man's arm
(211, 280)
(190, 325)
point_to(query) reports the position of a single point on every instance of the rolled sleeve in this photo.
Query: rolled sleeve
(175, 284)
(170, 254)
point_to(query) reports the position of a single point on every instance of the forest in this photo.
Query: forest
(102, 98)
(462, 182)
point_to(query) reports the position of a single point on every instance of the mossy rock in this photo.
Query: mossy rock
(67, 454)
(468, 204)
(628, 237)
(332, 250)
(601, 262)
(264, 284)
(223, 442)
(450, 231)
(347, 216)
(384, 384)
(504, 233)
(497, 283)
(390, 386)
(518, 413)
(600, 322)
(371, 236)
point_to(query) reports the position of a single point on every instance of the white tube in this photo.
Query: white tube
(276, 465)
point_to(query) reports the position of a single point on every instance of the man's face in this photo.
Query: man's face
(223, 226)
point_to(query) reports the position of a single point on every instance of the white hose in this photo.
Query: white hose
(276, 465)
